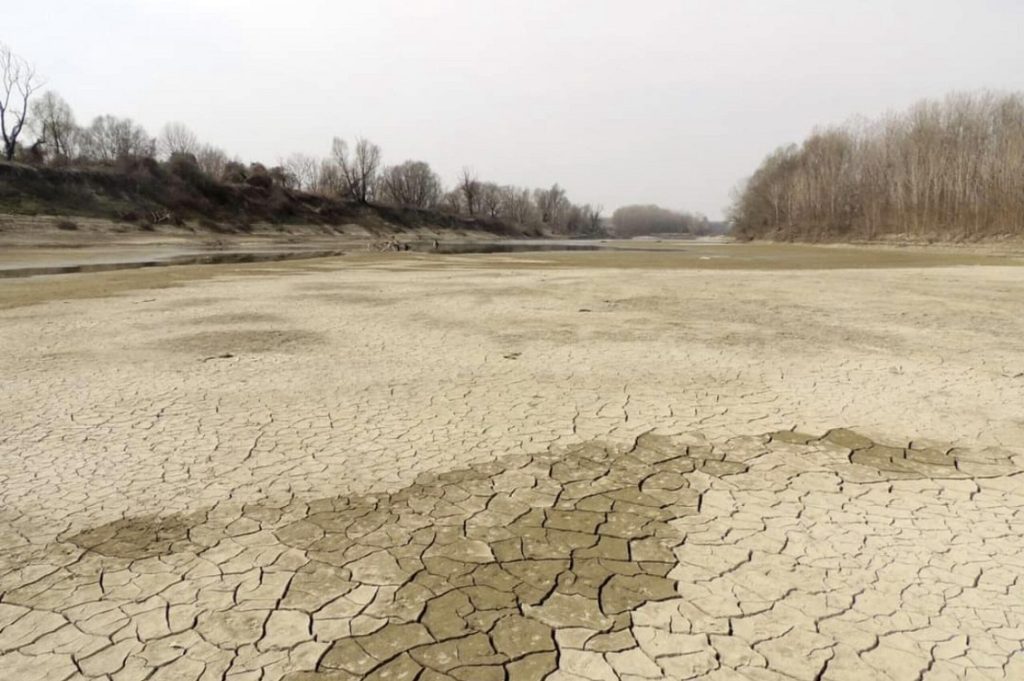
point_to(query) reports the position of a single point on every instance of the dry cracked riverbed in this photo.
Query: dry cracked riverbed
(530, 467)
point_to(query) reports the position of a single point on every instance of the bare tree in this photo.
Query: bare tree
(575, 220)
(53, 124)
(18, 82)
(592, 218)
(517, 205)
(303, 170)
(329, 181)
(630, 221)
(469, 185)
(212, 161)
(491, 196)
(950, 168)
(412, 183)
(359, 168)
(109, 138)
(451, 201)
(176, 138)
(552, 205)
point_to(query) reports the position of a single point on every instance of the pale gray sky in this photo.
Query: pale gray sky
(661, 101)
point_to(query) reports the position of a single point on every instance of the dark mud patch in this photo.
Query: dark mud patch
(477, 568)
(469, 573)
(237, 342)
(141, 537)
(913, 461)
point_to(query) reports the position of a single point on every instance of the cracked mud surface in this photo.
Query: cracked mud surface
(427, 469)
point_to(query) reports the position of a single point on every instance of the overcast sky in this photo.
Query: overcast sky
(621, 101)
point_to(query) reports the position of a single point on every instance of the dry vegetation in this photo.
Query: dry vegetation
(950, 169)
(109, 167)
(149, 194)
(944, 169)
(631, 221)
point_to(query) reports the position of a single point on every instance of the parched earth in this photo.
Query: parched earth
(530, 467)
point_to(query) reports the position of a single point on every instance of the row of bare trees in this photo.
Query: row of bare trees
(549, 208)
(61, 141)
(356, 171)
(630, 221)
(57, 135)
(950, 168)
(353, 171)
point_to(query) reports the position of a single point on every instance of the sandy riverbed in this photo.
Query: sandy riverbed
(471, 466)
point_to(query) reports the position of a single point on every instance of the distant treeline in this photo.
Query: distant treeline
(944, 169)
(353, 172)
(630, 221)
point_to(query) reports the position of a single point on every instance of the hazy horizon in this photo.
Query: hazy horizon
(660, 102)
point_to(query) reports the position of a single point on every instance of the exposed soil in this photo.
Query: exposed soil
(780, 462)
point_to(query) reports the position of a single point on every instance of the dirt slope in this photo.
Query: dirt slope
(145, 194)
